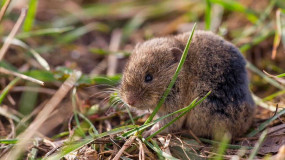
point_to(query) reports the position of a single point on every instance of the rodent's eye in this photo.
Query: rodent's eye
(148, 78)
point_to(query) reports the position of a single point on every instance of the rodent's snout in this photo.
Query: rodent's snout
(131, 99)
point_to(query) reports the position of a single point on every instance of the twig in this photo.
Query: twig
(6, 71)
(182, 147)
(4, 8)
(13, 33)
(125, 146)
(165, 142)
(195, 137)
(141, 152)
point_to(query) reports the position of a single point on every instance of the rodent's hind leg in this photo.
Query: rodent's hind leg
(209, 120)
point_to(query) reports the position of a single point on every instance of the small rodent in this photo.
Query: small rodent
(213, 64)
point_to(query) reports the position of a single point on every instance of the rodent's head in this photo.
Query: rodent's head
(149, 71)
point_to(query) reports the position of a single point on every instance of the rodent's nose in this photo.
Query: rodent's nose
(131, 99)
(131, 102)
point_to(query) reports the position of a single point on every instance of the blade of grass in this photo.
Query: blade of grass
(166, 92)
(159, 152)
(233, 5)
(28, 100)
(272, 96)
(144, 126)
(78, 32)
(7, 89)
(265, 124)
(189, 107)
(282, 21)
(257, 145)
(4, 112)
(36, 55)
(261, 103)
(130, 115)
(133, 25)
(34, 151)
(230, 146)
(8, 141)
(75, 113)
(277, 37)
(89, 122)
(13, 33)
(256, 40)
(266, 78)
(223, 146)
(281, 75)
(208, 15)
(30, 15)
(5, 71)
(258, 25)
(41, 32)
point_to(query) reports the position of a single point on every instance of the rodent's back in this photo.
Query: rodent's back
(217, 65)
(214, 62)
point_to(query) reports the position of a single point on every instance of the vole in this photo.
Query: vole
(213, 64)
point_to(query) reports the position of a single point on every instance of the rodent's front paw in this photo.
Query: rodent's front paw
(153, 129)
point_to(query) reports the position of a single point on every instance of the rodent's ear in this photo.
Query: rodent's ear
(176, 53)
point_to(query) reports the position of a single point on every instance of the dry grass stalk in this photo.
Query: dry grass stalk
(6, 71)
(26, 136)
(125, 146)
(4, 8)
(141, 150)
(13, 32)
(114, 46)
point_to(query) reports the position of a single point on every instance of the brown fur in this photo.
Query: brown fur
(212, 64)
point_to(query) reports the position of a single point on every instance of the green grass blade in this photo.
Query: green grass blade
(132, 26)
(75, 113)
(233, 5)
(78, 32)
(156, 148)
(7, 114)
(30, 15)
(7, 89)
(230, 146)
(257, 145)
(130, 115)
(165, 94)
(265, 77)
(208, 15)
(144, 126)
(8, 141)
(189, 107)
(281, 75)
(36, 55)
(223, 146)
(256, 40)
(265, 124)
(272, 96)
(41, 32)
(89, 122)
(28, 99)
